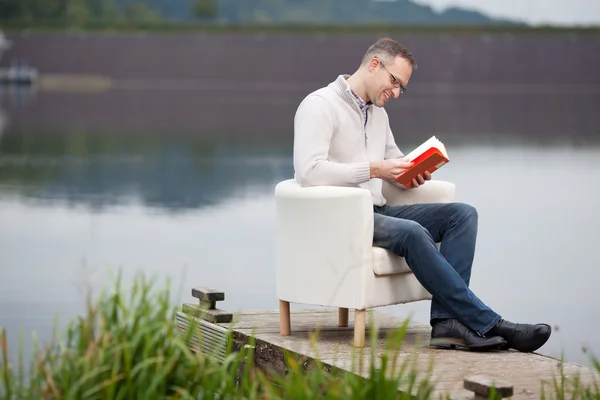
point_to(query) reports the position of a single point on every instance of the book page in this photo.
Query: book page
(431, 142)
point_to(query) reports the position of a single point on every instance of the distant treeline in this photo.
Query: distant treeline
(73, 13)
(81, 13)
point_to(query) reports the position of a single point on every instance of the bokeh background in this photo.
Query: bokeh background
(152, 134)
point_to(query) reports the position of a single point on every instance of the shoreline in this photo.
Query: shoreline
(183, 27)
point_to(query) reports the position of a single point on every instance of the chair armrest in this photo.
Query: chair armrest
(324, 243)
(431, 192)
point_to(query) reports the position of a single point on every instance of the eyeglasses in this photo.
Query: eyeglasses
(395, 80)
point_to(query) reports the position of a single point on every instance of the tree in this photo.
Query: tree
(11, 9)
(78, 13)
(205, 9)
(50, 9)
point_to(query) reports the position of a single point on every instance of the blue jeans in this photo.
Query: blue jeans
(411, 231)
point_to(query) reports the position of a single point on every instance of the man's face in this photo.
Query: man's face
(388, 80)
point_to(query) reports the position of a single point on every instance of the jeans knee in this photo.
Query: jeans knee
(465, 216)
(466, 212)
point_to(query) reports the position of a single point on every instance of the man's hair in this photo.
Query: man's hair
(388, 49)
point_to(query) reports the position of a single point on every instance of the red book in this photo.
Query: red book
(429, 156)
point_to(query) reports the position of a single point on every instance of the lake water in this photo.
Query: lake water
(79, 199)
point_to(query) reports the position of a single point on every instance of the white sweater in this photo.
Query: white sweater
(331, 147)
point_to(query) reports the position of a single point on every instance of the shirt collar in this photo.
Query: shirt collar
(363, 105)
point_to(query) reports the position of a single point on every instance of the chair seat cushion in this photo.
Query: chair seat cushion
(387, 263)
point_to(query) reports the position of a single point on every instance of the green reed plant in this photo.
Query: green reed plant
(126, 345)
(564, 386)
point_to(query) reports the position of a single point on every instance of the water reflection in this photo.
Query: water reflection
(156, 171)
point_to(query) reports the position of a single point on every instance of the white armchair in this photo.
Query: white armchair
(325, 252)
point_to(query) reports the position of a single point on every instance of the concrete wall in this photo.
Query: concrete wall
(479, 58)
(223, 84)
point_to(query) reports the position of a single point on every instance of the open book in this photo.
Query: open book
(429, 156)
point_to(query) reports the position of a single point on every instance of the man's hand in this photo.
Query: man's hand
(420, 179)
(391, 169)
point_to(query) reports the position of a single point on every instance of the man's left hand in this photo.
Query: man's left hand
(420, 179)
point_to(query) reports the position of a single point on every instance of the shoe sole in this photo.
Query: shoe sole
(454, 343)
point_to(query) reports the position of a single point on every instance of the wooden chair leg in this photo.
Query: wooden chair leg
(360, 319)
(343, 317)
(284, 317)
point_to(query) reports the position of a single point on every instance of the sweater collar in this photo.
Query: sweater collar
(343, 89)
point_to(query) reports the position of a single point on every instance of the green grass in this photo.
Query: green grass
(126, 346)
(564, 386)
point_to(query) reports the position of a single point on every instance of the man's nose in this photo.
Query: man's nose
(396, 92)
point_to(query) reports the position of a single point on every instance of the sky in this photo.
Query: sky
(534, 12)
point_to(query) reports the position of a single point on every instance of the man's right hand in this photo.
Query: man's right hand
(389, 169)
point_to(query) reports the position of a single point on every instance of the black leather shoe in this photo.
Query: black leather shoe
(522, 337)
(451, 333)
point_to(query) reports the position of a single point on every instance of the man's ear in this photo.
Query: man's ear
(373, 64)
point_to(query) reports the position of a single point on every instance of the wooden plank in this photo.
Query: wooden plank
(209, 314)
(208, 294)
(483, 386)
(323, 310)
(307, 321)
(315, 334)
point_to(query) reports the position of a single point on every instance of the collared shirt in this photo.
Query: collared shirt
(363, 105)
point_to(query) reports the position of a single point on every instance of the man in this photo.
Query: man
(342, 137)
